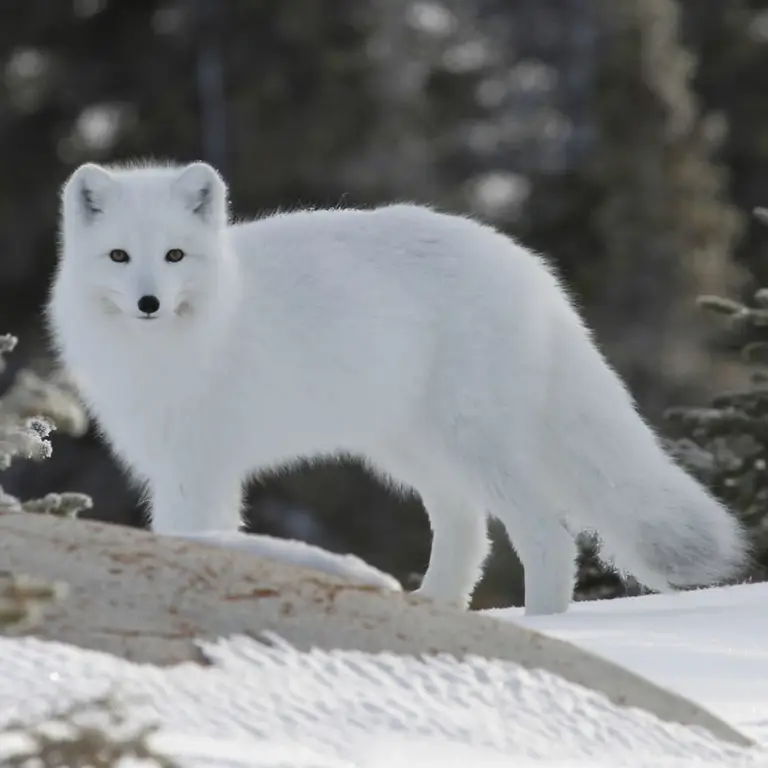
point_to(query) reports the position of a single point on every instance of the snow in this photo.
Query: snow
(709, 645)
(259, 701)
(262, 704)
(301, 554)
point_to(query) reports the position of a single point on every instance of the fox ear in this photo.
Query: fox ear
(203, 193)
(88, 191)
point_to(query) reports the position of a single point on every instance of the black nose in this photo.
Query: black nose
(149, 304)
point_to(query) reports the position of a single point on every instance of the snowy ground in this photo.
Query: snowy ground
(710, 645)
(267, 706)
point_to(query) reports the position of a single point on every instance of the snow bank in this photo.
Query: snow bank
(262, 706)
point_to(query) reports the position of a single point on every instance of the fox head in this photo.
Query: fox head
(144, 244)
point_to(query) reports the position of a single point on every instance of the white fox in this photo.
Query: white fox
(434, 347)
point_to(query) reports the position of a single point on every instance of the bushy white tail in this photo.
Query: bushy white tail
(654, 520)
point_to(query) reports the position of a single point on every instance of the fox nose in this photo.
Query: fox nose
(148, 304)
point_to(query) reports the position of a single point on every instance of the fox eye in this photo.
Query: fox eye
(174, 255)
(119, 256)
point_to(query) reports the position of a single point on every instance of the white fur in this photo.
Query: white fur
(441, 351)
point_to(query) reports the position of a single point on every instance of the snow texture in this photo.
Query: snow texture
(264, 705)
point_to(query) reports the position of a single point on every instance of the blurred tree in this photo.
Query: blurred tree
(664, 219)
(730, 38)
(726, 443)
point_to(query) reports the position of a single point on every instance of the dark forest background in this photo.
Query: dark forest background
(626, 139)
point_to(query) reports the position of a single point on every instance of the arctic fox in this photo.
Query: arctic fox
(439, 350)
